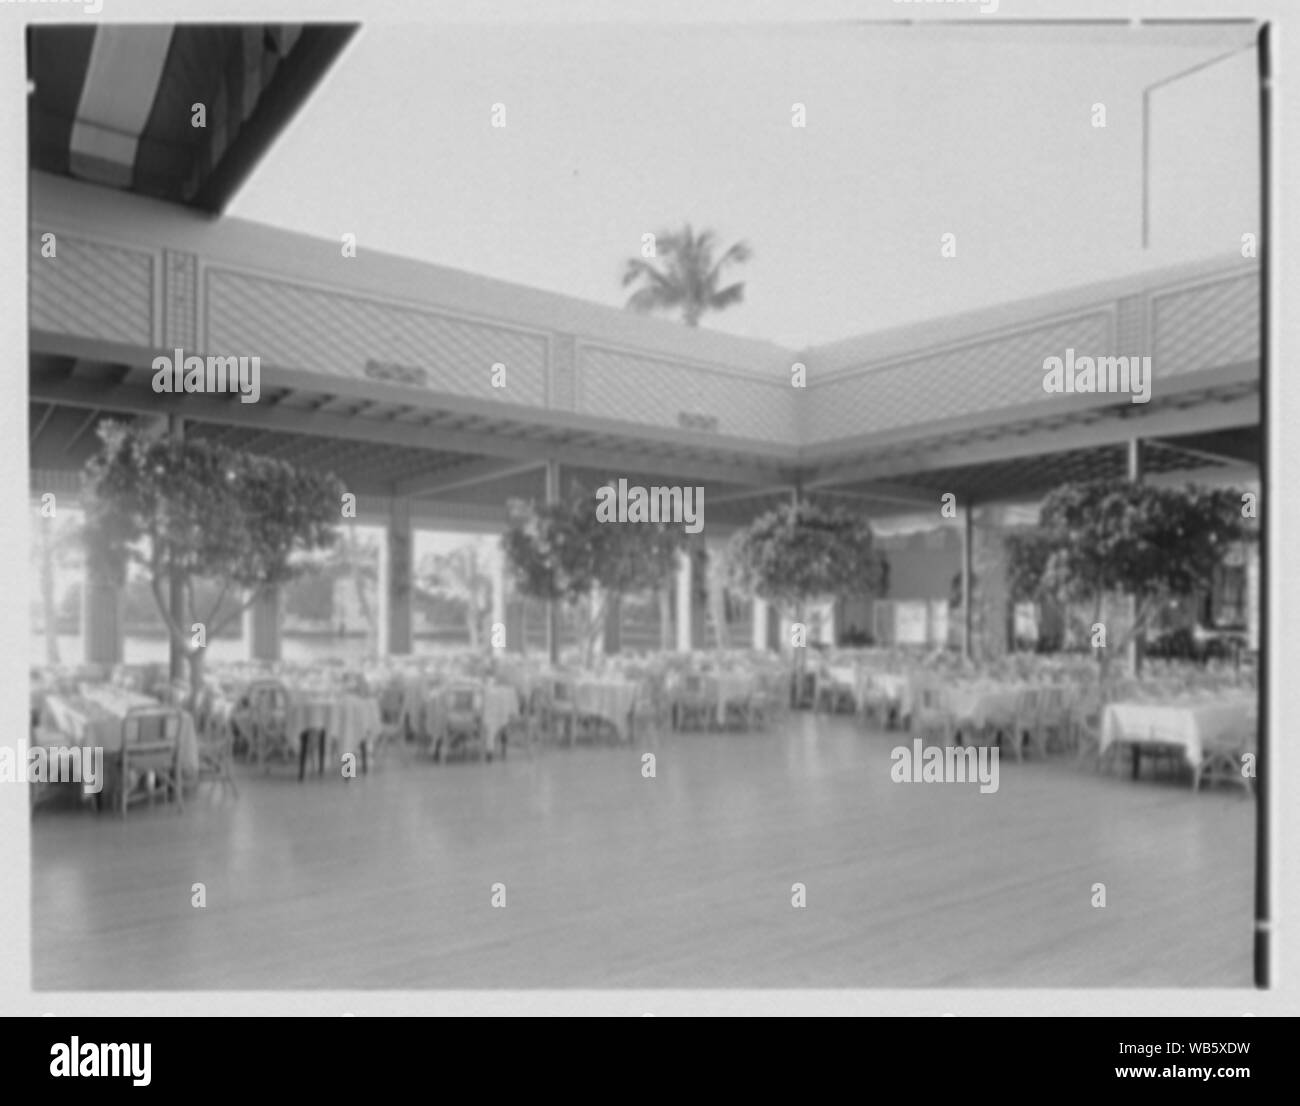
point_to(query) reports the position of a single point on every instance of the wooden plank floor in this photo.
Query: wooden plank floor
(613, 880)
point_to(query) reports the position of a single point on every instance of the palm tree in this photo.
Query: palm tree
(461, 576)
(688, 278)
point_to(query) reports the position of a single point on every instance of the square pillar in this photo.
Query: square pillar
(178, 666)
(685, 612)
(516, 626)
(552, 607)
(759, 633)
(499, 602)
(613, 623)
(1135, 477)
(400, 555)
(103, 614)
(262, 626)
(828, 624)
(993, 613)
(967, 579)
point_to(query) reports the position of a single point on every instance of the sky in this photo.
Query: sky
(616, 131)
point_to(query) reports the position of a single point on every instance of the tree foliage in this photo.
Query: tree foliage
(1027, 552)
(1107, 537)
(687, 277)
(202, 511)
(794, 554)
(460, 577)
(561, 551)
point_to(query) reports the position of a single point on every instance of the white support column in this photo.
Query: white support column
(828, 624)
(103, 615)
(400, 554)
(684, 589)
(262, 627)
(498, 597)
(967, 552)
(552, 607)
(759, 635)
(179, 669)
(1135, 477)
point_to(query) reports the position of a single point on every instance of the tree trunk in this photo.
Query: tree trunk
(799, 660)
(196, 659)
(373, 645)
(1103, 654)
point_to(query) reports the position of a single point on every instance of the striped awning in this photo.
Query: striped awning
(116, 104)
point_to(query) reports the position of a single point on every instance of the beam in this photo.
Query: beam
(897, 491)
(40, 425)
(750, 493)
(316, 50)
(1226, 457)
(1212, 415)
(202, 408)
(85, 425)
(464, 476)
(1219, 475)
(560, 422)
(869, 497)
(1062, 408)
(904, 494)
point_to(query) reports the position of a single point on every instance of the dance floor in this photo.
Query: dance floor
(684, 880)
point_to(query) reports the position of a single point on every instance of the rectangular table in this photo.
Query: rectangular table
(1189, 724)
(95, 720)
(894, 687)
(500, 705)
(350, 722)
(608, 699)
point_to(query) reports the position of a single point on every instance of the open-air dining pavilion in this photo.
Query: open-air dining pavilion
(380, 369)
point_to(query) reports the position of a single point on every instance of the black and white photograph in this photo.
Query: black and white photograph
(630, 505)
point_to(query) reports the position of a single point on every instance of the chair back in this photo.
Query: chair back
(1027, 701)
(930, 698)
(464, 699)
(1051, 701)
(391, 700)
(145, 727)
(562, 693)
(151, 738)
(268, 698)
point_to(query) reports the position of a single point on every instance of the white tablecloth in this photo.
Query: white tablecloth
(982, 704)
(894, 687)
(611, 700)
(1189, 723)
(500, 705)
(96, 721)
(346, 719)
